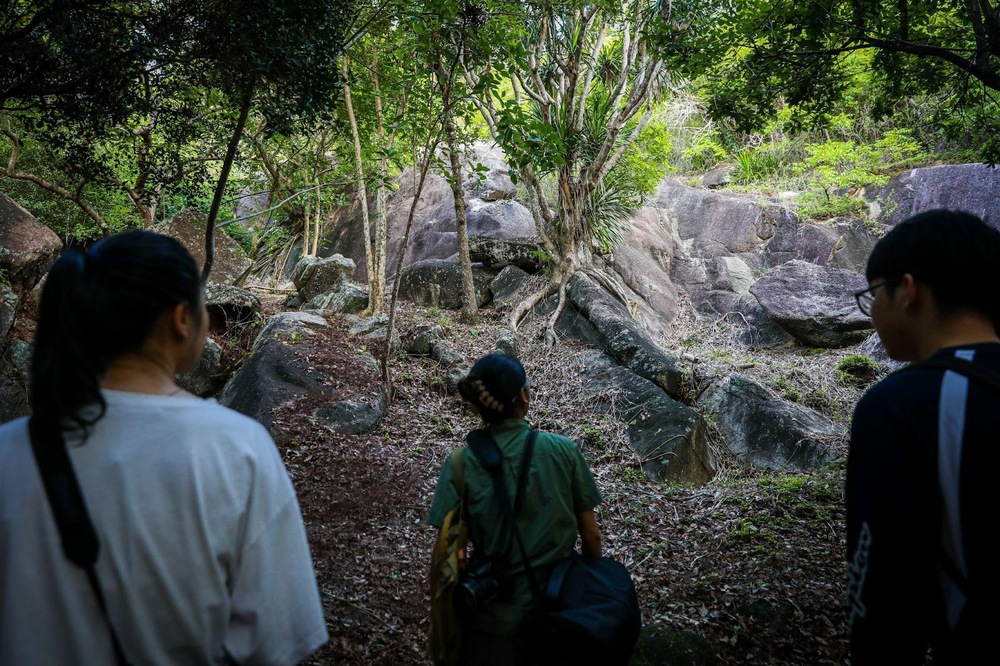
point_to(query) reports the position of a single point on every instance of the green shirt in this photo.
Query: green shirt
(560, 485)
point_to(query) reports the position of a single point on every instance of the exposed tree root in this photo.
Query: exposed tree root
(521, 311)
(613, 287)
(558, 285)
(550, 327)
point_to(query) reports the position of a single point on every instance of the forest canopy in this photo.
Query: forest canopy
(118, 114)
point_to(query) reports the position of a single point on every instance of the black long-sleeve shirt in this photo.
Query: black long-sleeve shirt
(922, 482)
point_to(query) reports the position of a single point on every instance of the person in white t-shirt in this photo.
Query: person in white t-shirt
(202, 554)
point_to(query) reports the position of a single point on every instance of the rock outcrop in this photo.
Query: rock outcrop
(27, 247)
(498, 253)
(766, 431)
(282, 368)
(206, 379)
(668, 437)
(973, 188)
(439, 283)
(231, 262)
(314, 276)
(229, 306)
(814, 304)
(623, 338)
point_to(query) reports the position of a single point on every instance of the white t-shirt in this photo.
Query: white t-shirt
(203, 549)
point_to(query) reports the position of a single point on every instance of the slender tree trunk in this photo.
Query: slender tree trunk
(377, 286)
(386, 377)
(220, 187)
(306, 235)
(470, 304)
(360, 174)
(317, 221)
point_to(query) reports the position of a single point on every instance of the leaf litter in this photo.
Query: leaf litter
(745, 570)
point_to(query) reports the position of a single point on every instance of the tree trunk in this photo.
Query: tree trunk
(376, 287)
(220, 187)
(360, 174)
(470, 304)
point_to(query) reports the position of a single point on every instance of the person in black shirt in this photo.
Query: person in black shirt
(924, 449)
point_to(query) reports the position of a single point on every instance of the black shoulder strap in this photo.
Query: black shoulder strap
(988, 378)
(489, 454)
(79, 540)
(962, 366)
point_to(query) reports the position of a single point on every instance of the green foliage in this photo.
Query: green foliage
(857, 370)
(821, 206)
(243, 236)
(754, 57)
(140, 97)
(705, 153)
(755, 164)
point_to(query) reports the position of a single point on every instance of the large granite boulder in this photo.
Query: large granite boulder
(285, 368)
(769, 432)
(439, 283)
(321, 275)
(815, 243)
(873, 348)
(644, 260)
(508, 285)
(670, 439)
(753, 327)
(485, 173)
(571, 324)
(498, 253)
(208, 377)
(814, 303)
(623, 337)
(8, 310)
(231, 263)
(974, 188)
(229, 306)
(27, 247)
(709, 223)
(490, 212)
(857, 238)
(348, 298)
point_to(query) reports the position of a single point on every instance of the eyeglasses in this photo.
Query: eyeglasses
(866, 297)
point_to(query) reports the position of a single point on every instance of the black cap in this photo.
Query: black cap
(502, 375)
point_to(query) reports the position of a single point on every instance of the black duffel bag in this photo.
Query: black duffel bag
(590, 614)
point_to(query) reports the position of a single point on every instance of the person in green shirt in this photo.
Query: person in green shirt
(559, 502)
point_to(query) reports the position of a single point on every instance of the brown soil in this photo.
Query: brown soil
(752, 563)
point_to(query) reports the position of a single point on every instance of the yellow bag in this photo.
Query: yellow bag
(447, 567)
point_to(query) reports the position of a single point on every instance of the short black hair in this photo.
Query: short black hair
(954, 253)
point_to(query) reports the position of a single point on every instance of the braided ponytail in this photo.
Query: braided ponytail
(493, 385)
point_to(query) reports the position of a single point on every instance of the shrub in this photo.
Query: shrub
(704, 153)
(857, 370)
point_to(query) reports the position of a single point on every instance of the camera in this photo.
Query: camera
(481, 586)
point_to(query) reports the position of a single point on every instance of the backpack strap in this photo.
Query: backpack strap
(988, 378)
(488, 452)
(458, 472)
(970, 369)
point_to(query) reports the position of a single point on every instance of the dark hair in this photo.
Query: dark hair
(955, 254)
(96, 305)
(492, 386)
